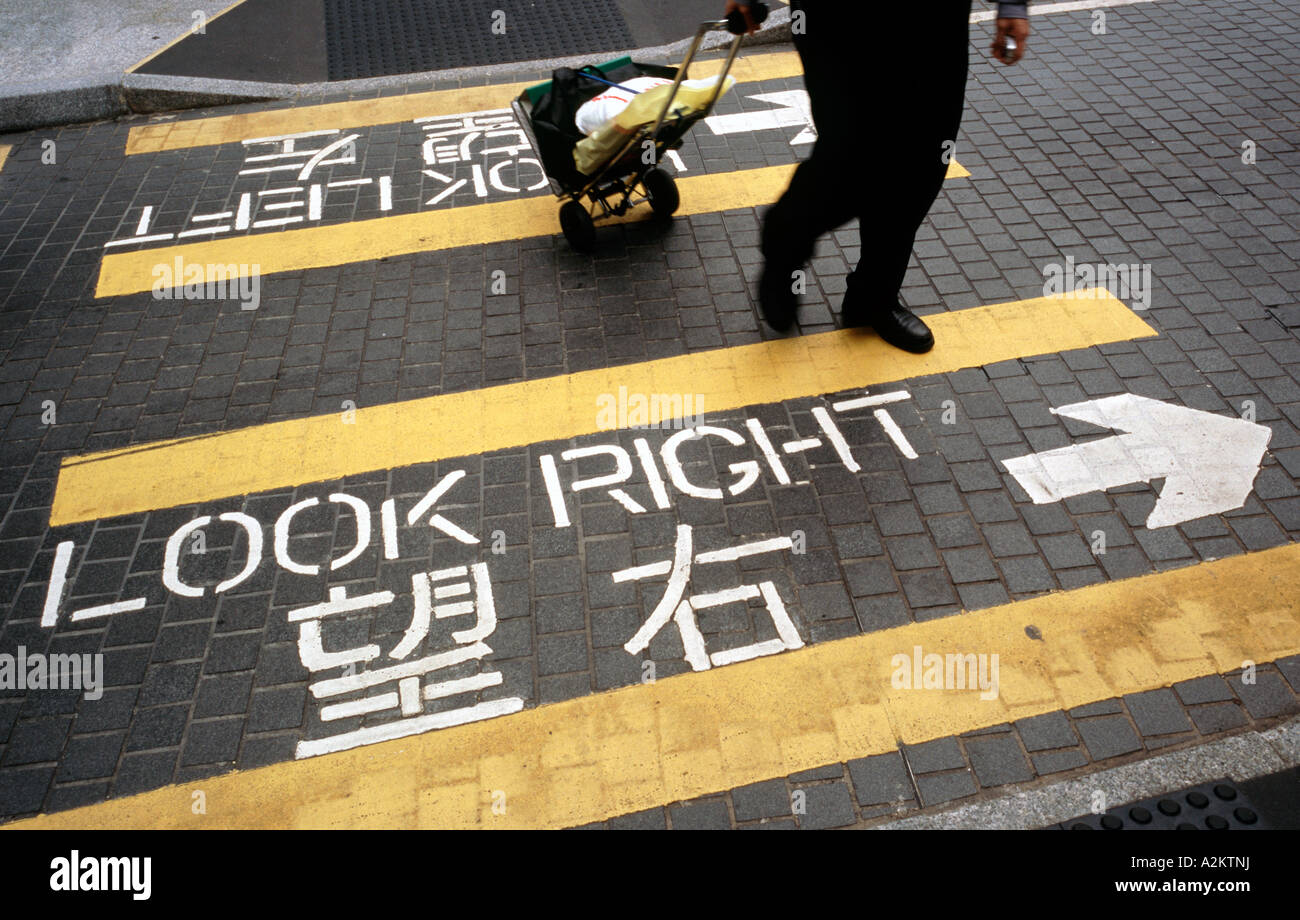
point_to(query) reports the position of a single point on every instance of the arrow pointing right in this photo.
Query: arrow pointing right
(1208, 461)
(794, 109)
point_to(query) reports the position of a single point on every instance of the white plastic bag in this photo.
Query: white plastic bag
(596, 111)
(644, 109)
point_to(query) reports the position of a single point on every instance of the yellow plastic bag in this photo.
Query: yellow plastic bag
(592, 152)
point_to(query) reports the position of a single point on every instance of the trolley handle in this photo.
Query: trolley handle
(735, 24)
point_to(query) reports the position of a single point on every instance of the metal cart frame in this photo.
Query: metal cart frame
(625, 179)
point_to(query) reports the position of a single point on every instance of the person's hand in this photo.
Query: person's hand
(1017, 29)
(732, 6)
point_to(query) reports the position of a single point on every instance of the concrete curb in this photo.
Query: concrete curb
(1240, 757)
(24, 107)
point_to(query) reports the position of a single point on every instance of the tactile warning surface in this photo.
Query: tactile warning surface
(371, 38)
(1219, 805)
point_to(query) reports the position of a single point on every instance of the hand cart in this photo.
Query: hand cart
(628, 176)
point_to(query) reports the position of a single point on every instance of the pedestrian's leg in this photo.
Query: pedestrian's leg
(925, 122)
(814, 202)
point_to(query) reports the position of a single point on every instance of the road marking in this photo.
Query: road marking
(4, 154)
(1208, 461)
(231, 129)
(320, 448)
(649, 745)
(404, 234)
(792, 107)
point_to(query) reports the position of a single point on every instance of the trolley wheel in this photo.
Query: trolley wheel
(579, 229)
(661, 189)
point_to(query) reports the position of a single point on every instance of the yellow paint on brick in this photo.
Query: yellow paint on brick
(225, 260)
(827, 703)
(231, 129)
(4, 154)
(321, 448)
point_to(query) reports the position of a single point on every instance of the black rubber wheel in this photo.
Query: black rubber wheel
(579, 229)
(661, 189)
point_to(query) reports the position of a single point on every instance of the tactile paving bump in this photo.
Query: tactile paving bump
(374, 38)
(1218, 805)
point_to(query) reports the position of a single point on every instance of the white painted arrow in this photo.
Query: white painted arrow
(1208, 461)
(793, 109)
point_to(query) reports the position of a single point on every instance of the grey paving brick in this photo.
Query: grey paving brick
(880, 779)
(212, 742)
(90, 757)
(223, 695)
(277, 708)
(969, 565)
(24, 790)
(829, 771)
(1046, 732)
(937, 788)
(952, 531)
(1099, 708)
(1209, 689)
(934, 756)
(768, 799)
(1290, 668)
(1268, 696)
(1009, 539)
(1063, 551)
(1026, 574)
(700, 816)
(827, 806)
(1217, 717)
(650, 820)
(1057, 761)
(1157, 712)
(998, 760)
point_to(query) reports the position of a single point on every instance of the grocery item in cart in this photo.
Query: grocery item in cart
(692, 96)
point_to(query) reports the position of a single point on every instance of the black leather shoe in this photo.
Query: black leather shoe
(776, 299)
(896, 324)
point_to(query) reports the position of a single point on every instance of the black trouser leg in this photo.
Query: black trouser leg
(883, 112)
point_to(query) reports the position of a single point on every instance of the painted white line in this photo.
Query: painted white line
(1037, 9)
(863, 402)
(765, 445)
(106, 610)
(138, 239)
(362, 513)
(58, 581)
(405, 727)
(636, 573)
(837, 440)
(732, 553)
(388, 521)
(431, 497)
(895, 433)
(289, 137)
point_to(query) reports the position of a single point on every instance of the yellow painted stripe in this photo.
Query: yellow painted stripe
(231, 129)
(384, 237)
(318, 448)
(179, 38)
(4, 154)
(649, 745)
